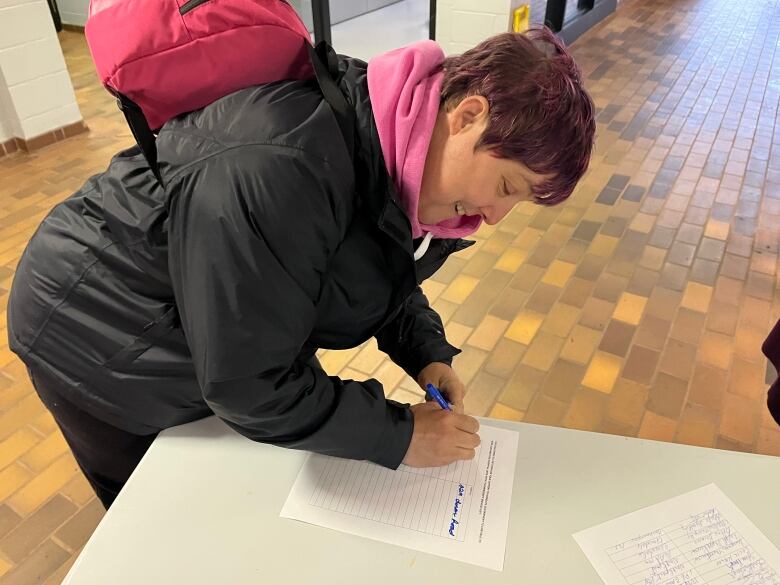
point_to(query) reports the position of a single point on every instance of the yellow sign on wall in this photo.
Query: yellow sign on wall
(521, 18)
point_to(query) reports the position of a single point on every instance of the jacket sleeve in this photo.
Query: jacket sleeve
(415, 337)
(251, 231)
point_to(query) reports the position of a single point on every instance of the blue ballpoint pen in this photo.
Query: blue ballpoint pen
(436, 395)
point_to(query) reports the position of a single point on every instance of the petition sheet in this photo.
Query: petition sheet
(698, 538)
(460, 511)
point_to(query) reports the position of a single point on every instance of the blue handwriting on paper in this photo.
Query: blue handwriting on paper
(456, 509)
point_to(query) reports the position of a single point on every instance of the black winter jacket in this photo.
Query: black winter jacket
(157, 307)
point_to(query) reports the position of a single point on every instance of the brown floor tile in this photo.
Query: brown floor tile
(723, 318)
(657, 428)
(760, 285)
(609, 287)
(524, 327)
(688, 326)
(728, 290)
(667, 396)
(643, 282)
(716, 350)
(663, 303)
(526, 277)
(543, 298)
(641, 364)
(677, 359)
(627, 402)
(673, 276)
(747, 379)
(36, 528)
(586, 410)
(653, 258)
(577, 292)
(563, 380)
(769, 441)
(730, 445)
(545, 411)
(755, 313)
(522, 387)
(698, 426)
(617, 338)
(8, 520)
(561, 320)
(590, 267)
(711, 250)
(652, 332)
(734, 267)
(482, 394)
(509, 304)
(38, 566)
(596, 313)
(739, 419)
(503, 360)
(543, 351)
(681, 253)
(747, 343)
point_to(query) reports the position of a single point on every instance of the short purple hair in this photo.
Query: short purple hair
(540, 114)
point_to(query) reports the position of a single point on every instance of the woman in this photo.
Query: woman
(137, 308)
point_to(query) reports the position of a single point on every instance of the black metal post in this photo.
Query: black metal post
(321, 15)
(556, 9)
(432, 21)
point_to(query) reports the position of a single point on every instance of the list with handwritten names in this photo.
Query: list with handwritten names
(460, 511)
(698, 538)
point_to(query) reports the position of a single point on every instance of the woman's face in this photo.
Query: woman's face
(459, 179)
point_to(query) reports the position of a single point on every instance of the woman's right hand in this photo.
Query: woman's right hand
(440, 436)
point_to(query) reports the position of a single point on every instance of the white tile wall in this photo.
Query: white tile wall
(36, 94)
(461, 24)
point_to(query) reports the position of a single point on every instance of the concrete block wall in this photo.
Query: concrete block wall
(461, 24)
(73, 11)
(36, 95)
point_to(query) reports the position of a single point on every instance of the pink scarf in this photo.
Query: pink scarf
(405, 91)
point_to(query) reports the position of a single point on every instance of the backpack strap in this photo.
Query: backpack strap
(326, 70)
(141, 132)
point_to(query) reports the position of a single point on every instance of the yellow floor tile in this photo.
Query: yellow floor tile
(460, 288)
(487, 334)
(511, 260)
(602, 372)
(581, 344)
(630, 308)
(643, 223)
(543, 351)
(697, 297)
(717, 229)
(524, 327)
(559, 273)
(432, 289)
(561, 319)
(44, 485)
(457, 334)
(78, 490)
(603, 245)
(368, 359)
(45, 452)
(504, 412)
(334, 360)
(389, 375)
(16, 445)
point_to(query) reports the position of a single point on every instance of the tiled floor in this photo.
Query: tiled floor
(637, 308)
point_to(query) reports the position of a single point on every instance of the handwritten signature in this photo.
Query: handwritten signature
(456, 509)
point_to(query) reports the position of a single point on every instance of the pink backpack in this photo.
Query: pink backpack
(162, 58)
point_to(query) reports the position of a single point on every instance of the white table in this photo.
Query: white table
(203, 509)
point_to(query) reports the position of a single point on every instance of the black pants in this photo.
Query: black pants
(107, 455)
